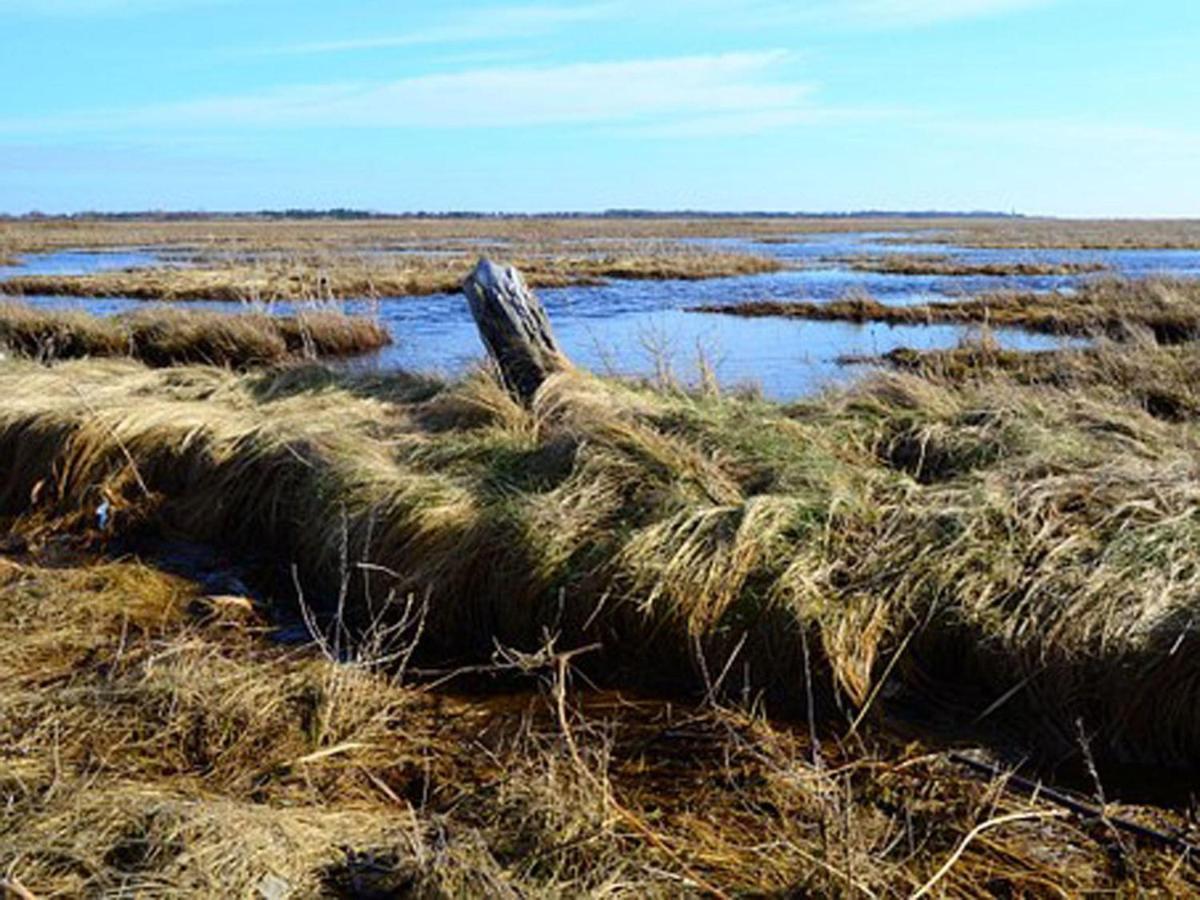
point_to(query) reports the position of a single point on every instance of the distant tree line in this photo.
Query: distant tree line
(361, 214)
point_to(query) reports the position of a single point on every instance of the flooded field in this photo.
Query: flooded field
(641, 327)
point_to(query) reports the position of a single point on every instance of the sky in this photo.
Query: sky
(1056, 107)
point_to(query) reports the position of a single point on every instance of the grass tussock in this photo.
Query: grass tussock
(916, 264)
(1160, 379)
(1168, 309)
(348, 276)
(154, 744)
(163, 336)
(989, 546)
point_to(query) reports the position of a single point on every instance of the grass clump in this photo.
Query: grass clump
(1167, 309)
(163, 336)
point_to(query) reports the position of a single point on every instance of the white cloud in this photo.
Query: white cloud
(655, 91)
(892, 13)
(482, 25)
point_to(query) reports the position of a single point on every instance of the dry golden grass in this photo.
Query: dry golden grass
(162, 336)
(1167, 309)
(906, 264)
(349, 276)
(154, 743)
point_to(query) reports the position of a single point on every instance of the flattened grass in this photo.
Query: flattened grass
(1168, 309)
(163, 336)
(1027, 547)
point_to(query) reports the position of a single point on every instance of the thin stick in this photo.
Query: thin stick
(1016, 782)
(560, 695)
(974, 833)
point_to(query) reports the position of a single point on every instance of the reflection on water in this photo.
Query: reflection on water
(636, 327)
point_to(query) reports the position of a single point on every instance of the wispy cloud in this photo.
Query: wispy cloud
(857, 14)
(76, 8)
(488, 24)
(892, 13)
(658, 91)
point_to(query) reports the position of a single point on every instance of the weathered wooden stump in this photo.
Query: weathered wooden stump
(514, 328)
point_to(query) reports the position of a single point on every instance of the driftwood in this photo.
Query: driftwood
(514, 328)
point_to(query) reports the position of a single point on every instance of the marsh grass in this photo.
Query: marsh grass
(979, 546)
(154, 743)
(163, 336)
(1079, 234)
(299, 236)
(342, 276)
(913, 264)
(1168, 309)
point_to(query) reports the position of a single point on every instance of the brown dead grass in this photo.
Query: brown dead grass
(154, 743)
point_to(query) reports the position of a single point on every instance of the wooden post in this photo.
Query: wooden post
(514, 328)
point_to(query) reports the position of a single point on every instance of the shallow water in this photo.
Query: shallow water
(640, 327)
(79, 262)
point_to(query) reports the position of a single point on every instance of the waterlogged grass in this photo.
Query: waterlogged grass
(910, 264)
(162, 336)
(350, 276)
(980, 545)
(1169, 310)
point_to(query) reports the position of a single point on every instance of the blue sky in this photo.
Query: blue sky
(1066, 107)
